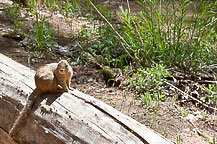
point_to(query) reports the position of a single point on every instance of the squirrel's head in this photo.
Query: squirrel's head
(63, 67)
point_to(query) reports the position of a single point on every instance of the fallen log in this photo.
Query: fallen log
(64, 118)
(5, 138)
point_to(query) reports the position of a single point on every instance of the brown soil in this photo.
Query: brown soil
(166, 119)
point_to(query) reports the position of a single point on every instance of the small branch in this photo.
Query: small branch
(195, 127)
(192, 97)
(120, 37)
(205, 81)
(198, 131)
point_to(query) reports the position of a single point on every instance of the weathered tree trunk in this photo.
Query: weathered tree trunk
(5, 138)
(63, 118)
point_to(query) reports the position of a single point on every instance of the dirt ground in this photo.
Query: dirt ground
(166, 119)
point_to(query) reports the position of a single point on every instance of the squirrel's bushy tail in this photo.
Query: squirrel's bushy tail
(24, 113)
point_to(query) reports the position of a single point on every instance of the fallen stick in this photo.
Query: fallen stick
(120, 37)
(207, 106)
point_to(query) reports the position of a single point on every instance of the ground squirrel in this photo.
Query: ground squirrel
(50, 78)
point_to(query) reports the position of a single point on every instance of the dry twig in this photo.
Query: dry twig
(119, 36)
(205, 105)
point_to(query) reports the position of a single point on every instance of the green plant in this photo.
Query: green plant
(214, 139)
(166, 130)
(67, 7)
(149, 82)
(170, 33)
(207, 139)
(182, 111)
(71, 6)
(44, 35)
(89, 12)
(40, 38)
(211, 98)
(103, 48)
(105, 12)
(205, 115)
(109, 48)
(178, 139)
(13, 13)
(154, 120)
(163, 32)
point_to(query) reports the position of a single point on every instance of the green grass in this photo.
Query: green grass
(164, 32)
(161, 35)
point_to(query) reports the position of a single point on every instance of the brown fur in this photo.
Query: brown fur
(54, 77)
(51, 78)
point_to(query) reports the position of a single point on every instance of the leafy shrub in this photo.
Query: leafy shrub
(108, 48)
(148, 82)
(211, 98)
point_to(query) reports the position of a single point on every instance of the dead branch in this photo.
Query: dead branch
(119, 36)
(205, 105)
